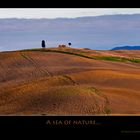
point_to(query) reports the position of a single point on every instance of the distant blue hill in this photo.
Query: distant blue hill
(127, 48)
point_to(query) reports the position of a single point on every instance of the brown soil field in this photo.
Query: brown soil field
(51, 83)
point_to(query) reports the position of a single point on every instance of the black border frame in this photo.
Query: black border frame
(122, 125)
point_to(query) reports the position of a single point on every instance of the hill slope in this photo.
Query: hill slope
(69, 82)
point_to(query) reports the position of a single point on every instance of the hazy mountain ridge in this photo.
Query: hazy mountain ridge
(127, 48)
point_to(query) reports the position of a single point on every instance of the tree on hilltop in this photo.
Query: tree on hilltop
(43, 44)
(69, 44)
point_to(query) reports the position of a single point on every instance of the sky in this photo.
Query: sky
(63, 12)
(104, 32)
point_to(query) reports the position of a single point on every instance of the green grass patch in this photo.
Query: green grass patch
(85, 55)
(71, 52)
(135, 60)
(117, 59)
(111, 58)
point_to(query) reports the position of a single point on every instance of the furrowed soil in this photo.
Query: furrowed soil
(65, 81)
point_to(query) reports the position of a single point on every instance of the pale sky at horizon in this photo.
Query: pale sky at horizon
(63, 12)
